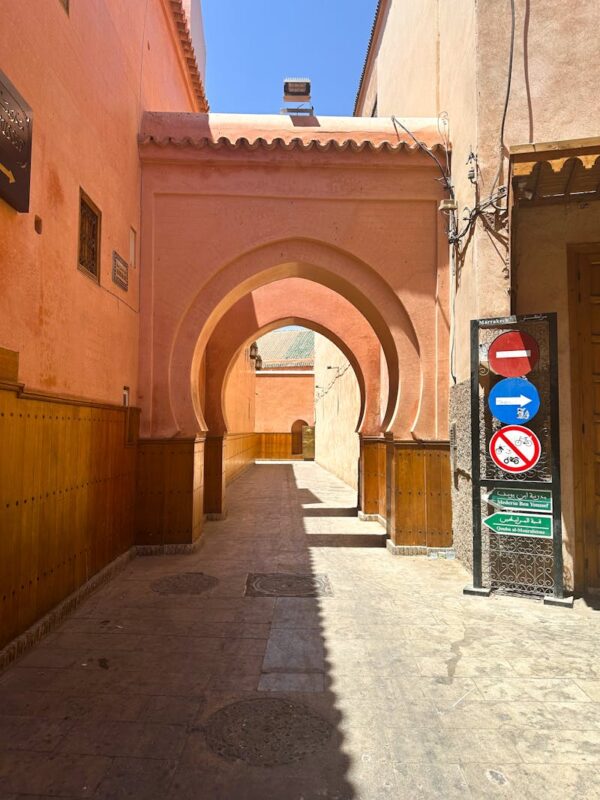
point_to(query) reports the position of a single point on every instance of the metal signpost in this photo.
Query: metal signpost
(517, 531)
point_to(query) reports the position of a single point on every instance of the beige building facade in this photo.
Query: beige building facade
(514, 87)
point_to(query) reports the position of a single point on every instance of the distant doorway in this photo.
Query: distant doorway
(297, 428)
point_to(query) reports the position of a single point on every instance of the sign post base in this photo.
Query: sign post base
(563, 602)
(477, 591)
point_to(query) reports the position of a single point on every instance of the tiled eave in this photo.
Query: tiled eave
(223, 143)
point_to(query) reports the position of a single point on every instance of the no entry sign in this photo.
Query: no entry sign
(513, 354)
(515, 449)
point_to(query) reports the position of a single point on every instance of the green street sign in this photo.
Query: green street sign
(512, 524)
(537, 500)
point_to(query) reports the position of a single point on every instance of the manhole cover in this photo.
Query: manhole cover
(184, 583)
(266, 732)
(282, 584)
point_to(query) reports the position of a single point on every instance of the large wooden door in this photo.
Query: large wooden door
(588, 390)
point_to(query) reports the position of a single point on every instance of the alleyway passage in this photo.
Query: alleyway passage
(213, 676)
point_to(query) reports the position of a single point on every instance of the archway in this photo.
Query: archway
(326, 205)
(328, 333)
(297, 429)
(348, 276)
(295, 301)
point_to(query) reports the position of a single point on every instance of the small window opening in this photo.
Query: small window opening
(89, 237)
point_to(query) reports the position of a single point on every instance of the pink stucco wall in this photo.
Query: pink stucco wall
(223, 219)
(239, 399)
(88, 77)
(300, 302)
(282, 399)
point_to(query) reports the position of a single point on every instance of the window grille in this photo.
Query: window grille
(89, 237)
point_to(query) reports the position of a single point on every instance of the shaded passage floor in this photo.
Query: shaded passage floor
(389, 685)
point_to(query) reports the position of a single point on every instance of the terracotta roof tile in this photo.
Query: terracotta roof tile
(271, 131)
(285, 349)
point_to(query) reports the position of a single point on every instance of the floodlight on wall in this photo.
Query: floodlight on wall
(448, 205)
(297, 90)
(253, 350)
(258, 363)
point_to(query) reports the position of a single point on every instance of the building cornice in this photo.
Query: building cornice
(184, 38)
(382, 6)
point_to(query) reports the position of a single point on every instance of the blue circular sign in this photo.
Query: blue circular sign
(514, 401)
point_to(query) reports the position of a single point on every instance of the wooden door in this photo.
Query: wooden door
(588, 350)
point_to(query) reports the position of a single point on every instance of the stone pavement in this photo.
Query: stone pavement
(388, 684)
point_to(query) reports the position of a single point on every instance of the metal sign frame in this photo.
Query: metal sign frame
(16, 124)
(480, 483)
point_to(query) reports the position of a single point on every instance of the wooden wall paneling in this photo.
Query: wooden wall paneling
(67, 483)
(277, 446)
(214, 474)
(381, 477)
(423, 495)
(438, 499)
(198, 488)
(410, 496)
(169, 482)
(241, 450)
(370, 476)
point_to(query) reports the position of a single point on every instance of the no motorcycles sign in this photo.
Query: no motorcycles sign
(515, 448)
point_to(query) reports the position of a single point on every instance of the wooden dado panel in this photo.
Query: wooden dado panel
(170, 486)
(277, 446)
(67, 490)
(241, 450)
(214, 474)
(423, 502)
(373, 476)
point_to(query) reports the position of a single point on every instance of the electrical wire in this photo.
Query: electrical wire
(423, 147)
(507, 96)
(341, 371)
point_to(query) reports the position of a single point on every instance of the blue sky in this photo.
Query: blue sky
(252, 45)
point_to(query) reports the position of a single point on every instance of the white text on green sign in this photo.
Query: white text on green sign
(512, 524)
(537, 500)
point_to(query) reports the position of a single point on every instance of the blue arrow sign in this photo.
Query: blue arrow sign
(514, 401)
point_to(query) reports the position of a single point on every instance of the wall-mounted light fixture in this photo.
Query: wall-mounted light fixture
(448, 204)
(253, 350)
(258, 363)
(297, 90)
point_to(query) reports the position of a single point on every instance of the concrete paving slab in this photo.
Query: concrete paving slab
(428, 694)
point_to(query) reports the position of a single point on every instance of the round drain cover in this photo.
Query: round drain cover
(266, 732)
(280, 584)
(185, 583)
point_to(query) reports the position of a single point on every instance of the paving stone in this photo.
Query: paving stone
(139, 778)
(134, 739)
(297, 650)
(428, 694)
(53, 774)
(531, 781)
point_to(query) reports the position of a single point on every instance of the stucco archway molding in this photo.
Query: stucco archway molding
(317, 328)
(317, 261)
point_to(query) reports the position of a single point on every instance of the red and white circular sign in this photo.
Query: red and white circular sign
(515, 449)
(513, 354)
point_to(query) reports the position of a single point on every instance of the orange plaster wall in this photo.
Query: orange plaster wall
(282, 399)
(240, 395)
(88, 77)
